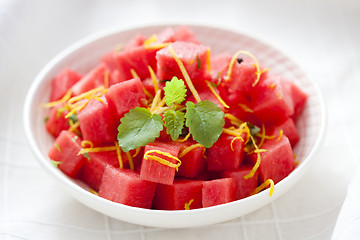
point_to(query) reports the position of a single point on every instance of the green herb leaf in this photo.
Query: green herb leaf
(253, 129)
(46, 119)
(86, 155)
(175, 91)
(138, 127)
(198, 61)
(205, 121)
(174, 123)
(73, 117)
(57, 147)
(56, 163)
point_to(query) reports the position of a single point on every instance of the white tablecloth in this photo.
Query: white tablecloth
(322, 35)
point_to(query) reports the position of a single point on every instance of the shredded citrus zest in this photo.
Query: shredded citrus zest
(189, 148)
(118, 153)
(264, 185)
(281, 132)
(234, 59)
(184, 139)
(211, 87)
(233, 140)
(155, 100)
(106, 79)
(234, 120)
(161, 160)
(185, 74)
(97, 149)
(279, 95)
(262, 135)
(60, 101)
(130, 159)
(85, 143)
(136, 152)
(187, 205)
(191, 61)
(208, 62)
(157, 46)
(245, 108)
(73, 126)
(154, 79)
(272, 86)
(150, 40)
(93, 192)
(134, 73)
(297, 163)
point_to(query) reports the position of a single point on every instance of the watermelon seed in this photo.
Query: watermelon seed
(239, 60)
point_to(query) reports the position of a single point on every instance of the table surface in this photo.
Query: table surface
(322, 35)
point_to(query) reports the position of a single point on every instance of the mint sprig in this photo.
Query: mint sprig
(138, 127)
(205, 121)
(174, 123)
(175, 91)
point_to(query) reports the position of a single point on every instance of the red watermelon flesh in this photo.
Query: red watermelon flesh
(93, 169)
(289, 130)
(149, 86)
(218, 191)
(56, 121)
(298, 97)
(115, 73)
(62, 83)
(93, 79)
(219, 65)
(125, 96)
(136, 41)
(193, 56)
(271, 103)
(175, 196)
(278, 162)
(183, 34)
(96, 122)
(65, 150)
(155, 171)
(125, 186)
(193, 162)
(220, 156)
(244, 188)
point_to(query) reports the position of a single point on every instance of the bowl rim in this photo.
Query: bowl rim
(92, 200)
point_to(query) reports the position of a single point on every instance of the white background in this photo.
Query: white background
(322, 35)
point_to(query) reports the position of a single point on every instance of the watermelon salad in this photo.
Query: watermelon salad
(162, 123)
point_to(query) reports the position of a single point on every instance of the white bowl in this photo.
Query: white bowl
(85, 54)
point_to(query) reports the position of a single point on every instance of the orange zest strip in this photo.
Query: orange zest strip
(232, 62)
(154, 79)
(208, 62)
(97, 149)
(184, 139)
(155, 100)
(57, 102)
(211, 87)
(265, 184)
(106, 79)
(93, 192)
(136, 152)
(118, 153)
(157, 46)
(161, 160)
(233, 140)
(281, 132)
(188, 149)
(73, 126)
(135, 75)
(85, 143)
(185, 74)
(245, 108)
(187, 205)
(130, 159)
(234, 120)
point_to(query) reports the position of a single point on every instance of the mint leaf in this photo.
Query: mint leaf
(205, 121)
(253, 129)
(174, 123)
(138, 127)
(175, 91)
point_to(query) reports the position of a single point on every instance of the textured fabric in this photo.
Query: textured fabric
(323, 36)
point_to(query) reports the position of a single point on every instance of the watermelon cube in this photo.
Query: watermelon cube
(115, 74)
(271, 102)
(193, 56)
(125, 186)
(193, 162)
(124, 96)
(219, 65)
(183, 34)
(96, 122)
(278, 162)
(288, 128)
(93, 79)
(244, 187)
(218, 191)
(176, 196)
(136, 41)
(65, 150)
(154, 171)
(221, 157)
(298, 97)
(56, 121)
(62, 83)
(93, 169)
